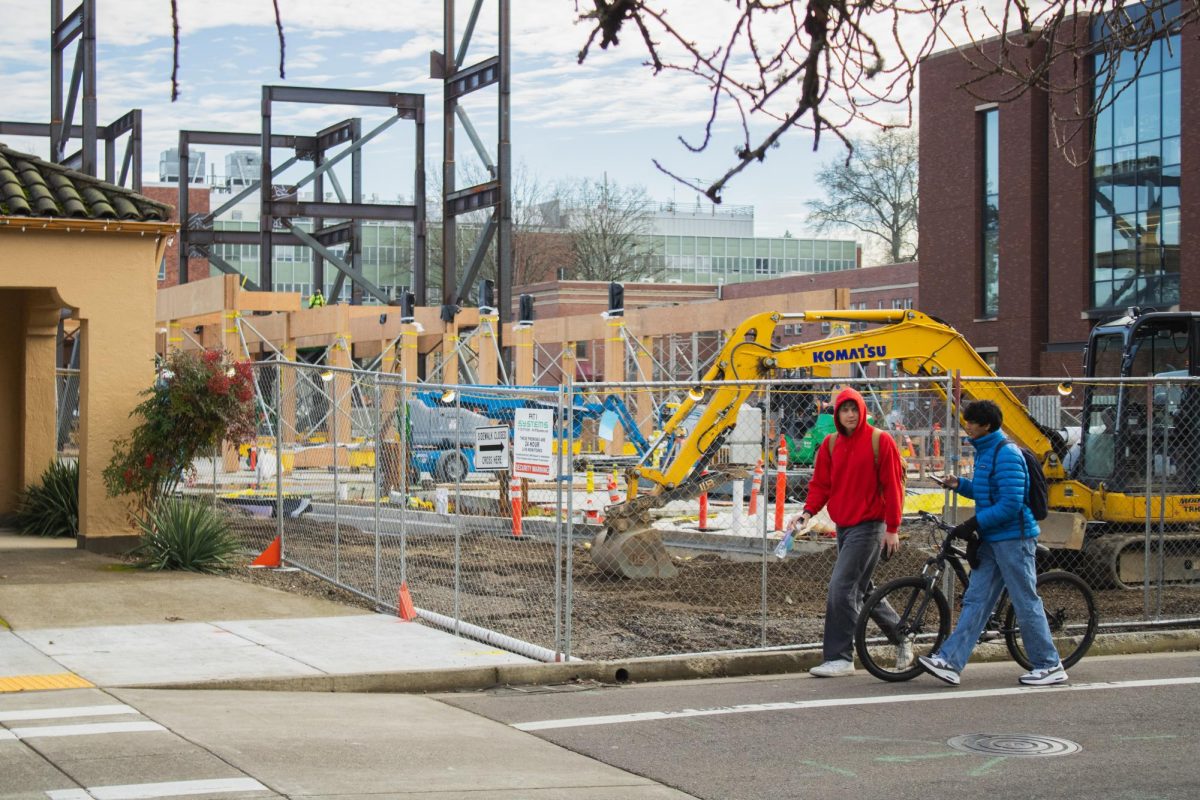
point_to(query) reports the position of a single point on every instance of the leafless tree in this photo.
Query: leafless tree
(823, 65)
(873, 192)
(608, 226)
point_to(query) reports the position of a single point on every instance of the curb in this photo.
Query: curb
(635, 670)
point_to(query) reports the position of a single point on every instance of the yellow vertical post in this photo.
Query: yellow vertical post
(339, 356)
(231, 343)
(40, 394)
(523, 355)
(450, 353)
(485, 346)
(287, 428)
(645, 402)
(567, 362)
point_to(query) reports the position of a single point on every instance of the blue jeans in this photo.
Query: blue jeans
(1007, 564)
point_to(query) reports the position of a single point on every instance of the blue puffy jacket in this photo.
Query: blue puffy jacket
(998, 489)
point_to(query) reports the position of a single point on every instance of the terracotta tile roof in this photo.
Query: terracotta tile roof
(31, 187)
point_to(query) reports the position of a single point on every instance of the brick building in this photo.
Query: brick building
(1023, 252)
(168, 270)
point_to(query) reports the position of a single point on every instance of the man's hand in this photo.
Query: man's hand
(966, 530)
(949, 481)
(891, 544)
(798, 521)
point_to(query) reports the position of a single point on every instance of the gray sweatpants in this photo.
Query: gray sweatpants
(858, 553)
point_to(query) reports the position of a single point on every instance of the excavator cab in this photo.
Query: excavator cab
(1122, 424)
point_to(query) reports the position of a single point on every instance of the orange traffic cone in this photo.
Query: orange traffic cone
(271, 557)
(405, 609)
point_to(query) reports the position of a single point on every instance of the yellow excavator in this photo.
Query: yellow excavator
(1100, 503)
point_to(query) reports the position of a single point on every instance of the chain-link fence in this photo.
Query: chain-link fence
(385, 483)
(66, 385)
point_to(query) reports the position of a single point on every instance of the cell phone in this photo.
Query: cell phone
(940, 480)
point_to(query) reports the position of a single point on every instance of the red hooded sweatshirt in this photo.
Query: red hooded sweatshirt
(854, 489)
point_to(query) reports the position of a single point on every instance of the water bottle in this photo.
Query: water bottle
(785, 545)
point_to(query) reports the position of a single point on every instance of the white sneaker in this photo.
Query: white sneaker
(904, 655)
(1044, 677)
(833, 669)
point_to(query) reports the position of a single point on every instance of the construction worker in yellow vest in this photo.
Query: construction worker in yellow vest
(316, 300)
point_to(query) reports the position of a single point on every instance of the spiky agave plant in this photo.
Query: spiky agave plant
(51, 507)
(182, 533)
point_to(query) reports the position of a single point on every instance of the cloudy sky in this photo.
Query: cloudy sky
(608, 117)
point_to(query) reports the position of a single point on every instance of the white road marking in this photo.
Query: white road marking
(5, 735)
(140, 791)
(89, 729)
(59, 713)
(752, 708)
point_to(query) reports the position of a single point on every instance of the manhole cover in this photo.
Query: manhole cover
(1013, 744)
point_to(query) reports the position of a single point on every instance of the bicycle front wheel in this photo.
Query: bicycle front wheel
(890, 653)
(1070, 611)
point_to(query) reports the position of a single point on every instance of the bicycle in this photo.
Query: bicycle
(925, 614)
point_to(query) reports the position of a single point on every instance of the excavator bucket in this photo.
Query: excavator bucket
(636, 553)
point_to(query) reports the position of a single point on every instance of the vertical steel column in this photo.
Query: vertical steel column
(420, 228)
(266, 275)
(185, 172)
(356, 195)
(87, 47)
(57, 134)
(449, 242)
(318, 270)
(504, 243)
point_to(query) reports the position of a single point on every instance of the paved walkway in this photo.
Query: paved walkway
(75, 627)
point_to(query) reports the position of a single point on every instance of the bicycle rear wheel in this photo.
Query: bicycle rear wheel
(1071, 612)
(924, 623)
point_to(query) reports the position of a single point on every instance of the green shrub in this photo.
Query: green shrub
(186, 534)
(51, 508)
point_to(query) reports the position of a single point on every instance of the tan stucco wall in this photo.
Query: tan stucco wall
(109, 278)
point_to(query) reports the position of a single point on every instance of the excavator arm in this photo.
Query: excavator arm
(918, 343)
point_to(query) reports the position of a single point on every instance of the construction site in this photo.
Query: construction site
(607, 481)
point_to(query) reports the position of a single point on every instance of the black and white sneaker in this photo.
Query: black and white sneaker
(1044, 677)
(939, 669)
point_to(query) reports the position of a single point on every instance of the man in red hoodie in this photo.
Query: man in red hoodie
(859, 477)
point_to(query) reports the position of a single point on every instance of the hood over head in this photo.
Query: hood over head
(849, 395)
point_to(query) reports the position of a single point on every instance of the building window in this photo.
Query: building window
(162, 269)
(1136, 179)
(990, 256)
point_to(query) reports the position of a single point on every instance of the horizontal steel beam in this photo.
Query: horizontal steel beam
(473, 78)
(246, 139)
(473, 198)
(299, 208)
(205, 237)
(401, 101)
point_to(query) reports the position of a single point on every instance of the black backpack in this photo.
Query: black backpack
(1036, 493)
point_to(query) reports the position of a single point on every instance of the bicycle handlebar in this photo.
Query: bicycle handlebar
(929, 516)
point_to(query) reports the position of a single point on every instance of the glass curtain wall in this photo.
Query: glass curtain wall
(990, 257)
(1135, 179)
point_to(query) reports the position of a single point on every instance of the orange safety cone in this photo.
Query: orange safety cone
(781, 461)
(756, 487)
(271, 557)
(514, 499)
(405, 609)
(613, 497)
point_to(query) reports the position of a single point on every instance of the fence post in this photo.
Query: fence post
(278, 460)
(377, 437)
(331, 424)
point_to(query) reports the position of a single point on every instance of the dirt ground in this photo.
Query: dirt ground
(510, 586)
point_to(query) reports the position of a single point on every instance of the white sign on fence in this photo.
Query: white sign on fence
(491, 448)
(533, 438)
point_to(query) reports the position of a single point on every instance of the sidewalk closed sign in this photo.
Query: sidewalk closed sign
(533, 436)
(491, 448)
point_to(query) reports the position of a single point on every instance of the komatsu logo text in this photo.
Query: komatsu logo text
(863, 353)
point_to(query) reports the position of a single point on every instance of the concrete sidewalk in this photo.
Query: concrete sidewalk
(70, 612)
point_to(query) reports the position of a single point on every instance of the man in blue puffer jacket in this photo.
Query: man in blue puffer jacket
(1006, 555)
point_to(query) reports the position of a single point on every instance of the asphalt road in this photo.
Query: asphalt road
(1132, 717)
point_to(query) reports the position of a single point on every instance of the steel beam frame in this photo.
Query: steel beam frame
(459, 81)
(197, 235)
(79, 28)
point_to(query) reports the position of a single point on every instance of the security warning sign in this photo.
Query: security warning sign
(533, 440)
